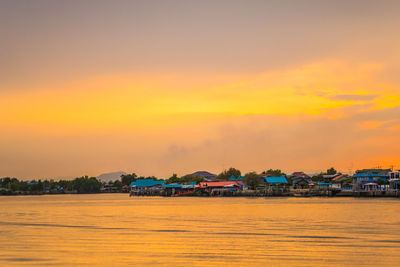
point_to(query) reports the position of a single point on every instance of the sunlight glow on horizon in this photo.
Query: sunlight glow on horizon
(126, 102)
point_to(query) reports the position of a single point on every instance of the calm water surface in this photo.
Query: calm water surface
(113, 229)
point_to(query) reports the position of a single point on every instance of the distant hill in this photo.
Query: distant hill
(111, 176)
(205, 174)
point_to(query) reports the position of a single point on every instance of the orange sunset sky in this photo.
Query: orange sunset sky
(158, 87)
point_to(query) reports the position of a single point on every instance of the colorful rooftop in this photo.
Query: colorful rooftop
(218, 184)
(369, 175)
(146, 183)
(276, 180)
(233, 178)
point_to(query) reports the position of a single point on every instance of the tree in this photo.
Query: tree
(275, 173)
(14, 184)
(226, 174)
(118, 184)
(318, 178)
(331, 171)
(173, 179)
(23, 186)
(86, 185)
(150, 177)
(192, 178)
(66, 185)
(184, 179)
(5, 182)
(381, 181)
(127, 179)
(252, 180)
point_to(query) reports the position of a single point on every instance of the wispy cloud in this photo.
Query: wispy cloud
(354, 97)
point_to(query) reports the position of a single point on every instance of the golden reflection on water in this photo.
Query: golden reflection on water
(113, 229)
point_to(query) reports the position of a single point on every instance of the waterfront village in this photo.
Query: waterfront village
(366, 182)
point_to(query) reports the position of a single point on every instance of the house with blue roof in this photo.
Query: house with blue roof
(143, 183)
(302, 183)
(146, 186)
(275, 183)
(276, 180)
(368, 181)
(323, 186)
(394, 180)
(233, 178)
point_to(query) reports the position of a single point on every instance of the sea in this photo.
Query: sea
(118, 230)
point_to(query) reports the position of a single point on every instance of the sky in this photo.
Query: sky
(163, 87)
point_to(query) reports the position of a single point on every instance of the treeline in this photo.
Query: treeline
(226, 174)
(80, 185)
(184, 179)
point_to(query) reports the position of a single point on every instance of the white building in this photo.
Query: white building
(394, 175)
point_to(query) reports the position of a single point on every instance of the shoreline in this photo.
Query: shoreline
(366, 194)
